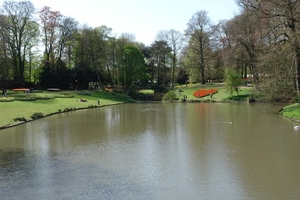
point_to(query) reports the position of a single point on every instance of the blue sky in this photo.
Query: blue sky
(143, 18)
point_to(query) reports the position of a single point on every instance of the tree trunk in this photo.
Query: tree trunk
(297, 68)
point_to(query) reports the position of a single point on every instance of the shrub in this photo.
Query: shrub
(7, 99)
(169, 96)
(37, 115)
(20, 119)
(69, 109)
(25, 98)
(83, 93)
(63, 96)
(46, 97)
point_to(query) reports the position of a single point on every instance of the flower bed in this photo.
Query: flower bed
(20, 89)
(202, 92)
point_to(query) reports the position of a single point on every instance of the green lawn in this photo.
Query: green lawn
(220, 96)
(20, 109)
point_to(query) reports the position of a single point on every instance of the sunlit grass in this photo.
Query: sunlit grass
(146, 91)
(291, 111)
(19, 109)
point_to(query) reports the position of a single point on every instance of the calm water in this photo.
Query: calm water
(154, 151)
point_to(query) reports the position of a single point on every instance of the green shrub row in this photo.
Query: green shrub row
(64, 96)
(46, 97)
(25, 98)
(7, 99)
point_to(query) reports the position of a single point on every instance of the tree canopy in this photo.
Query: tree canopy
(45, 48)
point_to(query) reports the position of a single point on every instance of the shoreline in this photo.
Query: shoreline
(51, 114)
(101, 106)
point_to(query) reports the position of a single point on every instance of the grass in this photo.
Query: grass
(147, 91)
(220, 96)
(25, 109)
(291, 111)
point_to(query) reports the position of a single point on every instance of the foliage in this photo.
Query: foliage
(160, 54)
(56, 75)
(63, 96)
(199, 33)
(237, 98)
(183, 76)
(20, 119)
(25, 98)
(73, 57)
(46, 97)
(133, 65)
(37, 115)
(233, 80)
(170, 96)
(7, 99)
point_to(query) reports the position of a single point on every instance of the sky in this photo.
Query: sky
(142, 18)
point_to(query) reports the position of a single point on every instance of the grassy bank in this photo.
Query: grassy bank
(52, 102)
(292, 112)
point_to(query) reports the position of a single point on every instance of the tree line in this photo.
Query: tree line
(45, 48)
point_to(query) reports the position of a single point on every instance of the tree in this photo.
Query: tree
(160, 51)
(134, 65)
(182, 77)
(88, 51)
(18, 31)
(66, 31)
(175, 42)
(198, 34)
(50, 24)
(284, 18)
(233, 80)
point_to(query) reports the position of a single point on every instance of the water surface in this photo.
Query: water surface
(154, 151)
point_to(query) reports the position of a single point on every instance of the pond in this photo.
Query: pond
(154, 151)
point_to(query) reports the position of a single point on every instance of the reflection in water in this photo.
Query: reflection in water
(153, 151)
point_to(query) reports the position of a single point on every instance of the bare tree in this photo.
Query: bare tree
(175, 41)
(162, 35)
(245, 32)
(198, 34)
(285, 21)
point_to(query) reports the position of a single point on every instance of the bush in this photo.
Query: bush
(170, 96)
(37, 115)
(46, 97)
(83, 93)
(7, 99)
(20, 119)
(25, 98)
(64, 96)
